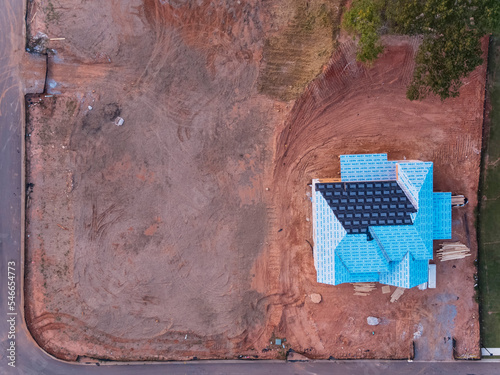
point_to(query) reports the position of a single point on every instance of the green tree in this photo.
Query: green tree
(451, 32)
(364, 19)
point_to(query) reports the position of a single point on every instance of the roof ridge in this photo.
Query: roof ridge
(379, 244)
(335, 254)
(409, 182)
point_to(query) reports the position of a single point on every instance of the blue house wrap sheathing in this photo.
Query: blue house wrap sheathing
(377, 222)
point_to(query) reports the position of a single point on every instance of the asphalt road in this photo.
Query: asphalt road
(28, 357)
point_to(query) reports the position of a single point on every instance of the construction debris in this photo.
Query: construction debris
(397, 293)
(315, 298)
(386, 289)
(119, 121)
(452, 251)
(363, 289)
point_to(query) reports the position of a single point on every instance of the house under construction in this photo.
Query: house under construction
(378, 221)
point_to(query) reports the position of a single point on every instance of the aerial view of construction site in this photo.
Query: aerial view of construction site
(294, 180)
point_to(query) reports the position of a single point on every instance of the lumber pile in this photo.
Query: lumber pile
(363, 289)
(458, 200)
(452, 251)
(397, 293)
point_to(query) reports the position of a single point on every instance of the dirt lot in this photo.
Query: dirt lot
(183, 232)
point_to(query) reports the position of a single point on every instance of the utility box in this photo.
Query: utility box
(432, 276)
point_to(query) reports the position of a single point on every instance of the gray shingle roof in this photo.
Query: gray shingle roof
(359, 205)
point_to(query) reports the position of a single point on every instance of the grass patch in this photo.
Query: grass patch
(489, 219)
(489, 271)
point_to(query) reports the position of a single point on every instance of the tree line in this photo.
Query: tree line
(451, 32)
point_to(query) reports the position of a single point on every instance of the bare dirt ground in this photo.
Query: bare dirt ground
(183, 232)
(351, 109)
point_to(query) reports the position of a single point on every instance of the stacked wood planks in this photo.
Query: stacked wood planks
(363, 289)
(452, 251)
(326, 180)
(457, 200)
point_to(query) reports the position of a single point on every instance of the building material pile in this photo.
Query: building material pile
(363, 289)
(386, 289)
(458, 200)
(397, 293)
(453, 250)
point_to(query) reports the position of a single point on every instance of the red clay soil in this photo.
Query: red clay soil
(351, 109)
(183, 233)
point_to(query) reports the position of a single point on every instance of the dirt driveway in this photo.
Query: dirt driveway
(182, 233)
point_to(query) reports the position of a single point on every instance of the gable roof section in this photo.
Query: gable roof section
(442, 216)
(396, 241)
(359, 205)
(363, 277)
(411, 177)
(360, 255)
(342, 274)
(398, 274)
(367, 167)
(328, 232)
(406, 273)
(419, 272)
(424, 221)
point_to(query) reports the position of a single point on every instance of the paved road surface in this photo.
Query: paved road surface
(29, 358)
(11, 120)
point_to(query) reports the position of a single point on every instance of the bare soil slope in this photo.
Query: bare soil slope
(183, 232)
